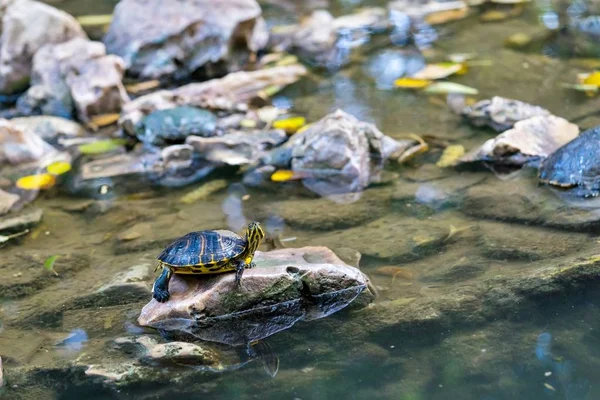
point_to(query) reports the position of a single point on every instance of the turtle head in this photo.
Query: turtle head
(254, 234)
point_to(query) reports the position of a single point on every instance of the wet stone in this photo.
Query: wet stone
(300, 213)
(397, 238)
(25, 274)
(17, 222)
(7, 201)
(512, 242)
(132, 285)
(521, 200)
(461, 271)
(172, 353)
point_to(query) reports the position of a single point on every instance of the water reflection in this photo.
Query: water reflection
(73, 343)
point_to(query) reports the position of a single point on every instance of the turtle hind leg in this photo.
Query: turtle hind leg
(160, 290)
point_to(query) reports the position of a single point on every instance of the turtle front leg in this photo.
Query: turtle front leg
(160, 290)
(239, 271)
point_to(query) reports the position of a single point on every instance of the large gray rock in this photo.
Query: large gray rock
(337, 154)
(163, 37)
(27, 26)
(7, 201)
(287, 286)
(76, 75)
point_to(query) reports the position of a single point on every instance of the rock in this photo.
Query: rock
(135, 231)
(1, 374)
(26, 27)
(175, 125)
(390, 64)
(500, 113)
(529, 141)
(237, 147)
(373, 19)
(396, 240)
(520, 200)
(18, 222)
(463, 270)
(315, 39)
(232, 92)
(287, 286)
(172, 353)
(75, 75)
(510, 242)
(575, 165)
(168, 38)
(96, 87)
(335, 155)
(299, 214)
(18, 146)
(25, 274)
(7, 201)
(130, 286)
(50, 129)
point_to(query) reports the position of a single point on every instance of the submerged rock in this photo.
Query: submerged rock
(232, 92)
(576, 165)
(287, 286)
(500, 113)
(335, 155)
(529, 141)
(17, 222)
(237, 147)
(166, 38)
(175, 124)
(74, 76)
(26, 27)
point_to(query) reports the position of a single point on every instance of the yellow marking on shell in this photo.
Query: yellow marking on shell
(202, 246)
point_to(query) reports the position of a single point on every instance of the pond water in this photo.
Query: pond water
(497, 296)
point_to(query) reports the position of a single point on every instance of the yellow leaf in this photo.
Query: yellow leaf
(58, 168)
(592, 79)
(105, 119)
(142, 86)
(283, 175)
(101, 146)
(439, 71)
(441, 17)
(411, 83)
(95, 20)
(36, 182)
(248, 123)
(290, 125)
(450, 155)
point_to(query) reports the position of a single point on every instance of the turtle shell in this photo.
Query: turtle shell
(203, 248)
(575, 165)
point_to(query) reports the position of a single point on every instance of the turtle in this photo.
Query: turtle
(575, 166)
(207, 252)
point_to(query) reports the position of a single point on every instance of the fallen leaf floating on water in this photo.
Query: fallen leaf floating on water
(204, 191)
(284, 175)
(450, 88)
(101, 146)
(305, 127)
(411, 152)
(49, 264)
(36, 182)
(142, 86)
(102, 120)
(411, 83)
(501, 15)
(248, 123)
(58, 168)
(4, 239)
(588, 83)
(450, 156)
(445, 16)
(290, 125)
(461, 57)
(440, 71)
(95, 20)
